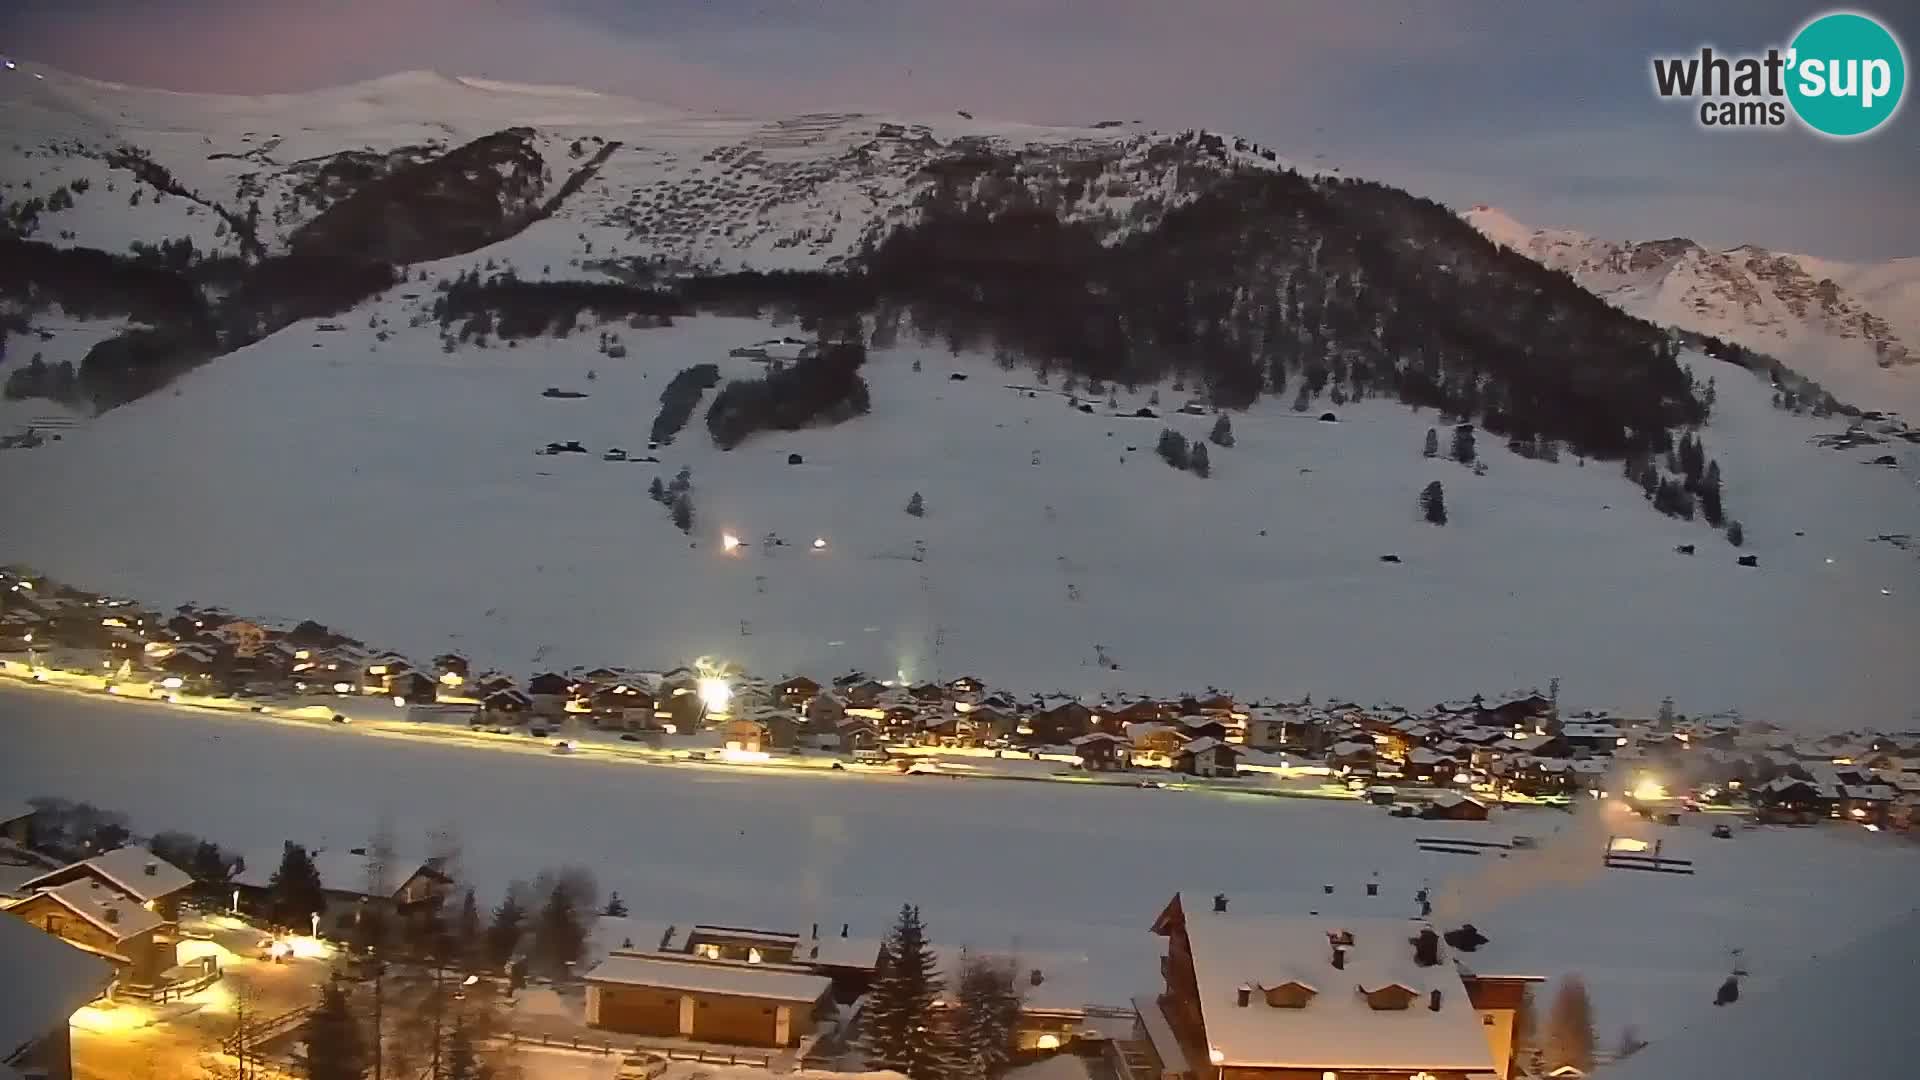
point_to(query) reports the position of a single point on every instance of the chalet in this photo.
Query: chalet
(1203, 727)
(97, 917)
(413, 687)
(492, 682)
(1302, 998)
(865, 693)
(825, 711)
(739, 1003)
(1788, 798)
(1453, 806)
(1520, 710)
(900, 721)
(1156, 739)
(1208, 756)
(1144, 711)
(1868, 804)
(744, 735)
(857, 735)
(1101, 752)
(1272, 729)
(928, 692)
(966, 684)
(549, 693)
(797, 691)
(1060, 723)
(1592, 738)
(51, 980)
(135, 872)
(984, 723)
(506, 706)
(451, 664)
(1353, 757)
(622, 705)
(1430, 766)
(16, 824)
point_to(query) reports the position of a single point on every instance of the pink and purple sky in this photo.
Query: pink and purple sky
(1543, 107)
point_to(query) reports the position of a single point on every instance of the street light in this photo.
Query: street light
(315, 917)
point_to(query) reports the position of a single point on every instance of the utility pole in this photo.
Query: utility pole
(379, 1043)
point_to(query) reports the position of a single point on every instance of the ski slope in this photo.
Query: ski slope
(392, 490)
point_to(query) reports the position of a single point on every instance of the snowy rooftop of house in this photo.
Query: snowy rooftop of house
(133, 870)
(1590, 731)
(13, 811)
(1337, 1029)
(1838, 1004)
(117, 915)
(341, 869)
(669, 972)
(64, 978)
(1207, 744)
(846, 952)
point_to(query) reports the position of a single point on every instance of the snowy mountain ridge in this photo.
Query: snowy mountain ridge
(1854, 327)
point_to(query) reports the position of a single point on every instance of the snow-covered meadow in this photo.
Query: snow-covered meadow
(1068, 875)
(392, 490)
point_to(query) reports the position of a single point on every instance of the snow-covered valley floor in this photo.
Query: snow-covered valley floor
(391, 490)
(1065, 872)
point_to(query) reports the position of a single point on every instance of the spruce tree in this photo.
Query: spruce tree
(683, 512)
(657, 491)
(1172, 448)
(616, 908)
(1569, 1036)
(503, 935)
(1433, 504)
(1432, 447)
(1199, 461)
(335, 1050)
(985, 1016)
(462, 1059)
(1222, 434)
(1463, 450)
(1736, 534)
(1301, 399)
(917, 506)
(294, 893)
(559, 936)
(902, 1033)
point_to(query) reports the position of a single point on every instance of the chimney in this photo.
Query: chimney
(1339, 957)
(113, 915)
(843, 929)
(1219, 901)
(1036, 977)
(1373, 888)
(152, 868)
(1426, 947)
(816, 931)
(1328, 889)
(1243, 996)
(1433, 1001)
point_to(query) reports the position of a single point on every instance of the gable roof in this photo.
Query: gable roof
(111, 911)
(1338, 1029)
(64, 978)
(133, 870)
(668, 972)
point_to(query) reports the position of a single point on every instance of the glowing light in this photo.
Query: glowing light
(671, 729)
(1048, 1041)
(729, 543)
(715, 694)
(1214, 1055)
(1621, 741)
(1649, 790)
(451, 678)
(172, 682)
(1858, 811)
(1462, 778)
(819, 542)
(742, 757)
(11, 65)
(399, 702)
(962, 707)
(342, 688)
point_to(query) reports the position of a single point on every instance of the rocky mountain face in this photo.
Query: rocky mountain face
(1854, 327)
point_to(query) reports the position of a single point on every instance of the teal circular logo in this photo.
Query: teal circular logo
(1846, 75)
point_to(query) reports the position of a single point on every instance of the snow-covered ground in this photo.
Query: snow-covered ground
(392, 490)
(1014, 866)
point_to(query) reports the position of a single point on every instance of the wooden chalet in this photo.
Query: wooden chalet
(1101, 752)
(1059, 724)
(51, 980)
(736, 1002)
(797, 691)
(1208, 756)
(1453, 806)
(120, 904)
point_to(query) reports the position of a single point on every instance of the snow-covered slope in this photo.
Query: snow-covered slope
(392, 489)
(1853, 327)
(711, 190)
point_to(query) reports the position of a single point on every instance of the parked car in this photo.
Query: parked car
(1723, 831)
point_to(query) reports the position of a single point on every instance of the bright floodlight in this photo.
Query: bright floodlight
(11, 65)
(1649, 790)
(819, 542)
(729, 542)
(714, 694)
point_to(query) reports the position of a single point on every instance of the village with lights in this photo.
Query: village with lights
(201, 947)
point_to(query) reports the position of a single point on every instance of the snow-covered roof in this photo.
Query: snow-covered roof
(13, 811)
(1095, 737)
(133, 870)
(64, 978)
(668, 972)
(115, 913)
(1454, 798)
(1837, 1007)
(1207, 744)
(845, 952)
(1867, 792)
(1337, 1029)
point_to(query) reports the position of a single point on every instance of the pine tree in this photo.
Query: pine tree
(559, 937)
(901, 1030)
(1736, 534)
(1569, 1036)
(509, 923)
(294, 892)
(1630, 1043)
(1302, 399)
(1172, 448)
(657, 491)
(1199, 460)
(469, 943)
(1222, 434)
(917, 506)
(462, 1060)
(985, 1015)
(1463, 450)
(616, 908)
(334, 1047)
(683, 512)
(1433, 504)
(1432, 447)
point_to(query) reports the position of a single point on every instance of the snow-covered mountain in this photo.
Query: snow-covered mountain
(1854, 327)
